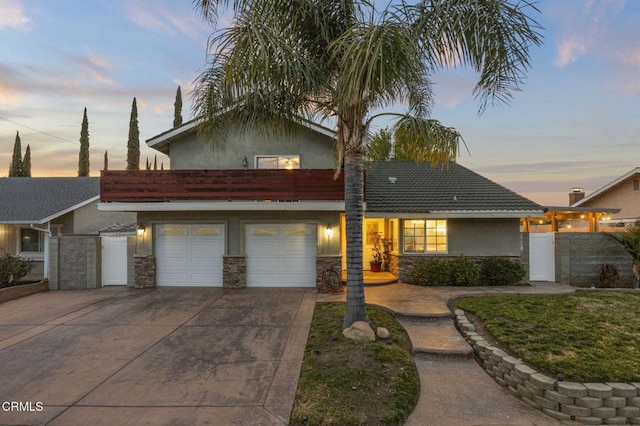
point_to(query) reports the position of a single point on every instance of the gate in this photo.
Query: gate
(542, 257)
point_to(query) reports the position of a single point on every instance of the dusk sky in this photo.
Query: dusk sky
(576, 122)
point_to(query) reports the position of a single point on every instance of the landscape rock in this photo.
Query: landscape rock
(360, 331)
(383, 333)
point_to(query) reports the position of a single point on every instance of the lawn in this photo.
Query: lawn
(589, 336)
(344, 382)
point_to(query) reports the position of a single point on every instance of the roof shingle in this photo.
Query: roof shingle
(30, 200)
(423, 188)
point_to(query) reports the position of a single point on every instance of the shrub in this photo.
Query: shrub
(432, 272)
(500, 271)
(12, 268)
(464, 272)
(609, 276)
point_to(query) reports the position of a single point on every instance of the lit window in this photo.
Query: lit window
(425, 236)
(288, 162)
(31, 241)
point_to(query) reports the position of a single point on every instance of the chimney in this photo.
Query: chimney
(575, 195)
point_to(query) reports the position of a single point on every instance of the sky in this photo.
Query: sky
(576, 122)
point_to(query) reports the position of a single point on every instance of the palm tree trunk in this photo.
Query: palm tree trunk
(354, 198)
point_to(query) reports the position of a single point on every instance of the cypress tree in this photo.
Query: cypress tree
(26, 163)
(83, 159)
(177, 109)
(148, 164)
(133, 144)
(106, 161)
(15, 168)
(155, 162)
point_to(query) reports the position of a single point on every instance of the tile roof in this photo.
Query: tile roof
(30, 200)
(421, 187)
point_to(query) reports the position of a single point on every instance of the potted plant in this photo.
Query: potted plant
(376, 263)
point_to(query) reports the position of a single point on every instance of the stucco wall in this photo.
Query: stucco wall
(316, 150)
(622, 196)
(484, 237)
(87, 219)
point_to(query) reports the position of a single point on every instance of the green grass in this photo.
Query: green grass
(344, 382)
(589, 336)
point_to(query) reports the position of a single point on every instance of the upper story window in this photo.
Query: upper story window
(288, 162)
(425, 236)
(31, 241)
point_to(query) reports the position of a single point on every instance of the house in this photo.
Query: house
(266, 211)
(38, 210)
(622, 193)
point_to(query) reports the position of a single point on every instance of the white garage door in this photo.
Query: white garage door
(281, 255)
(189, 255)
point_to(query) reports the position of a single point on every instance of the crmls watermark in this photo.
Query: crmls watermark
(22, 406)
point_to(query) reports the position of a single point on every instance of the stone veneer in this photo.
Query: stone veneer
(234, 271)
(323, 262)
(584, 403)
(144, 271)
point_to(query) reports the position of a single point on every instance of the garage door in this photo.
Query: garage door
(281, 255)
(189, 255)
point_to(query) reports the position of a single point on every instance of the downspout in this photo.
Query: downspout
(47, 235)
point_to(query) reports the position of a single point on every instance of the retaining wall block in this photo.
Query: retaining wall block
(524, 392)
(557, 415)
(589, 402)
(599, 390)
(482, 345)
(634, 402)
(497, 355)
(558, 397)
(574, 390)
(615, 402)
(634, 421)
(628, 411)
(459, 312)
(541, 381)
(523, 371)
(624, 390)
(501, 381)
(546, 403)
(534, 389)
(530, 403)
(616, 421)
(510, 362)
(604, 412)
(589, 420)
(509, 379)
(574, 410)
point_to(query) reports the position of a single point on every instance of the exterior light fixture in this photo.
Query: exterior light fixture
(328, 230)
(141, 229)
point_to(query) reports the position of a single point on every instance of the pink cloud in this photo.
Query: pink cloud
(13, 15)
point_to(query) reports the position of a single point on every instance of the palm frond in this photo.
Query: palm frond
(420, 139)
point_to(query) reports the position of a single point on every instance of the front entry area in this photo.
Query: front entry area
(281, 255)
(189, 254)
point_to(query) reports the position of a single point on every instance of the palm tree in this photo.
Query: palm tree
(345, 60)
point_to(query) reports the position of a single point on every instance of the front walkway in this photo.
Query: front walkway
(455, 390)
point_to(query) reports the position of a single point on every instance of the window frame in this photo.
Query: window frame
(429, 230)
(39, 254)
(278, 158)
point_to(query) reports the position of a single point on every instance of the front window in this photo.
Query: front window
(425, 236)
(288, 162)
(31, 241)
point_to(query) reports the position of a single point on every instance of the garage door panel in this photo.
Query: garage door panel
(281, 255)
(189, 255)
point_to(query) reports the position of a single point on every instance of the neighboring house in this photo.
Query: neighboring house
(266, 211)
(34, 210)
(622, 193)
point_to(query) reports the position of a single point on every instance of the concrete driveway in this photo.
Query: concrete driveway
(160, 356)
